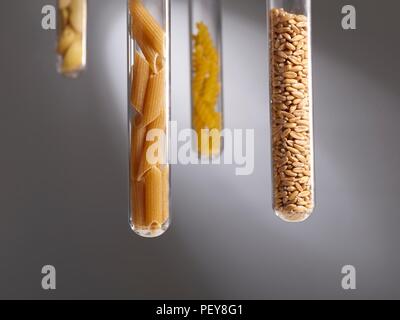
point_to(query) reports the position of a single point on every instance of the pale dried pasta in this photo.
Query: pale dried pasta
(72, 36)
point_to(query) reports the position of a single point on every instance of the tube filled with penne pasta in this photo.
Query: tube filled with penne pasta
(206, 76)
(149, 113)
(72, 35)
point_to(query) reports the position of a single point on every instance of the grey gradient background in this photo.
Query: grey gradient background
(64, 166)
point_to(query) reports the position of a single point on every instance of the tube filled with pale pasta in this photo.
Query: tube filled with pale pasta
(206, 76)
(149, 113)
(72, 37)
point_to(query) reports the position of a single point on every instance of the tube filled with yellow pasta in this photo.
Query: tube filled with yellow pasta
(72, 35)
(149, 113)
(206, 75)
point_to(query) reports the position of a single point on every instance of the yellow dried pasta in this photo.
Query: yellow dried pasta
(71, 36)
(206, 89)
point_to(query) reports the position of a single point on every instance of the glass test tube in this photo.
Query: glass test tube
(72, 37)
(206, 75)
(291, 109)
(149, 113)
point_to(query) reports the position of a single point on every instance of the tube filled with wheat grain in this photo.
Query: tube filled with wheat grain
(149, 113)
(291, 108)
(206, 75)
(72, 37)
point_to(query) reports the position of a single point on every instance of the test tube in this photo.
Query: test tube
(206, 76)
(149, 114)
(72, 37)
(291, 108)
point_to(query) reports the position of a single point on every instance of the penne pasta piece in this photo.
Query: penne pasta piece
(153, 198)
(138, 208)
(152, 56)
(140, 79)
(154, 151)
(165, 192)
(155, 60)
(155, 98)
(152, 31)
(138, 136)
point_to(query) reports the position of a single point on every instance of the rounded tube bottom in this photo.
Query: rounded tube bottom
(293, 216)
(153, 231)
